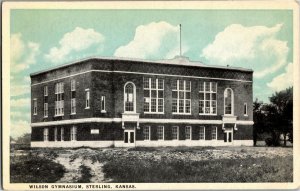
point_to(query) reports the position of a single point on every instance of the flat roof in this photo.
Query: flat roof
(178, 61)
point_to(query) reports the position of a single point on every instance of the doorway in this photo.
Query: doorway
(228, 135)
(129, 137)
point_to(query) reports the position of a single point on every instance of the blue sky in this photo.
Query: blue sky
(257, 39)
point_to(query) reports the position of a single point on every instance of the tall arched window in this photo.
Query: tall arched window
(228, 102)
(129, 97)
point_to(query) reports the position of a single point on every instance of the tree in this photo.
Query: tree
(275, 118)
(281, 109)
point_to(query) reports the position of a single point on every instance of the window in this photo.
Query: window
(73, 97)
(202, 133)
(45, 101)
(46, 134)
(153, 95)
(245, 109)
(73, 133)
(87, 99)
(59, 99)
(45, 109)
(181, 97)
(146, 132)
(103, 104)
(214, 133)
(62, 134)
(129, 97)
(207, 98)
(228, 101)
(175, 133)
(188, 130)
(55, 134)
(45, 90)
(160, 133)
(94, 131)
(34, 106)
(73, 85)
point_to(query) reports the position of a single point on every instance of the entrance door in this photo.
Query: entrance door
(129, 137)
(228, 135)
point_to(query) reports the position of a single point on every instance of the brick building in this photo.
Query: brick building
(102, 102)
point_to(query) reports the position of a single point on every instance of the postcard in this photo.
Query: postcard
(150, 95)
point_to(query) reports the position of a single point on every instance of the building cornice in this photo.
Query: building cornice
(141, 120)
(172, 62)
(141, 73)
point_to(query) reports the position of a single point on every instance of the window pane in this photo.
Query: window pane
(214, 96)
(201, 86)
(174, 94)
(174, 105)
(146, 93)
(174, 85)
(188, 85)
(153, 105)
(153, 83)
(181, 85)
(146, 83)
(160, 93)
(214, 86)
(188, 95)
(160, 84)
(207, 86)
(153, 93)
(201, 96)
(181, 102)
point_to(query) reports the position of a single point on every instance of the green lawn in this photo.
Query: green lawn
(220, 170)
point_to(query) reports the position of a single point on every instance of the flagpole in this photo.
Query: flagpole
(180, 38)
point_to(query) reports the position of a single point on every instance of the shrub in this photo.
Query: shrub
(35, 170)
(85, 174)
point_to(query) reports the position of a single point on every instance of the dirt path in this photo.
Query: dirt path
(73, 173)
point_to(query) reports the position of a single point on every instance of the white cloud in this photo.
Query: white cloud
(283, 80)
(22, 102)
(75, 41)
(154, 40)
(19, 128)
(22, 54)
(252, 47)
(19, 114)
(17, 90)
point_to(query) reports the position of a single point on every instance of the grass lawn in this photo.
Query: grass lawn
(220, 170)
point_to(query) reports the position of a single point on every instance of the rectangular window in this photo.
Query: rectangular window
(160, 133)
(73, 133)
(55, 134)
(202, 133)
(181, 97)
(103, 104)
(188, 132)
(59, 99)
(34, 106)
(45, 90)
(45, 109)
(73, 106)
(214, 133)
(73, 85)
(146, 132)
(46, 134)
(153, 95)
(94, 131)
(175, 133)
(73, 97)
(245, 109)
(45, 101)
(87, 99)
(62, 134)
(207, 98)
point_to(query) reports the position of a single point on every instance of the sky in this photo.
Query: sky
(261, 40)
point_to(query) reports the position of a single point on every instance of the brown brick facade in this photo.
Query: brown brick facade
(104, 77)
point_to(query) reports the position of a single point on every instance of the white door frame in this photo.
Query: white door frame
(129, 131)
(227, 131)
